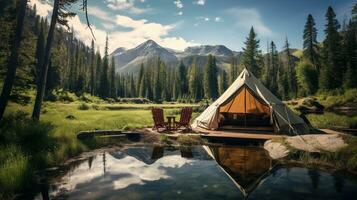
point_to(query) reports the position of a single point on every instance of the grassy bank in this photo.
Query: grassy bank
(332, 120)
(338, 98)
(27, 146)
(333, 101)
(344, 158)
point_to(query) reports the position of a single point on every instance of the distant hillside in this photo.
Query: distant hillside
(129, 61)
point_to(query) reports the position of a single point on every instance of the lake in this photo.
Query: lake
(198, 172)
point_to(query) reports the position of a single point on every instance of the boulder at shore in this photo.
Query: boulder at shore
(308, 143)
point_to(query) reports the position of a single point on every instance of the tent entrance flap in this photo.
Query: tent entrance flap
(244, 109)
(244, 102)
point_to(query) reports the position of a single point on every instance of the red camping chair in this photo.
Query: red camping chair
(186, 114)
(158, 117)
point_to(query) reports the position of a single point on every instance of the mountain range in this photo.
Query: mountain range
(129, 60)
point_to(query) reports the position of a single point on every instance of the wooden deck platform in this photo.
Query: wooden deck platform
(222, 134)
(264, 129)
(236, 134)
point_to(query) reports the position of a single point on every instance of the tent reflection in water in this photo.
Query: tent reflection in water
(247, 103)
(246, 166)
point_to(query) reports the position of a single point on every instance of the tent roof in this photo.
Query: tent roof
(285, 117)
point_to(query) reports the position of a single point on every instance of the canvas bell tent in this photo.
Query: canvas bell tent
(248, 103)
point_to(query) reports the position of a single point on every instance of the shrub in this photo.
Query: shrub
(70, 117)
(163, 138)
(51, 97)
(65, 96)
(95, 107)
(351, 95)
(33, 136)
(20, 97)
(83, 106)
(338, 97)
(307, 78)
(15, 170)
(172, 111)
(134, 100)
(88, 98)
(189, 140)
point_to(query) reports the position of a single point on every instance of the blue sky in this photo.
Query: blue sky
(180, 23)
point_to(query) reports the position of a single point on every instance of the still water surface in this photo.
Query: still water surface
(200, 172)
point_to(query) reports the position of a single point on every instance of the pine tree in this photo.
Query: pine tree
(349, 51)
(112, 91)
(194, 82)
(139, 80)
(354, 14)
(98, 72)
(310, 42)
(132, 86)
(233, 70)
(164, 87)
(223, 82)
(40, 52)
(273, 71)
(210, 78)
(182, 80)
(76, 71)
(332, 73)
(142, 89)
(267, 66)
(104, 82)
(157, 81)
(251, 54)
(290, 71)
(13, 60)
(92, 69)
(148, 85)
(282, 83)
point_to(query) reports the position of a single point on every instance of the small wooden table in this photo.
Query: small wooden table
(171, 122)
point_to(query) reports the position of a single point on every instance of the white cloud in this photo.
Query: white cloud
(143, 30)
(109, 26)
(248, 17)
(200, 2)
(178, 3)
(139, 30)
(43, 8)
(99, 13)
(129, 22)
(126, 6)
(82, 32)
(177, 43)
(180, 13)
(218, 19)
(206, 19)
